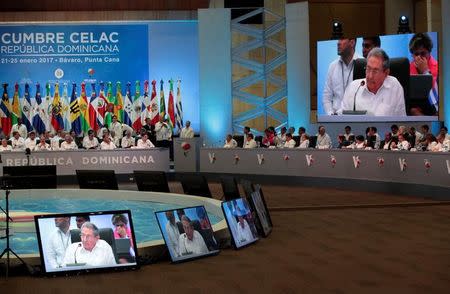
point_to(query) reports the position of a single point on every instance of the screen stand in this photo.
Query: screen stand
(8, 249)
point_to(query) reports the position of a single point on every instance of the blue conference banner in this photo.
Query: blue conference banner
(74, 52)
(103, 51)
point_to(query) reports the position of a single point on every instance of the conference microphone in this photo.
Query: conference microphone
(75, 254)
(27, 151)
(354, 97)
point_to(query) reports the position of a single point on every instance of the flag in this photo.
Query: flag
(57, 119)
(46, 107)
(118, 103)
(128, 113)
(84, 109)
(110, 106)
(16, 113)
(171, 108)
(101, 105)
(93, 109)
(146, 108)
(75, 111)
(162, 102)
(179, 114)
(65, 108)
(5, 111)
(154, 113)
(27, 109)
(137, 107)
(433, 96)
(38, 123)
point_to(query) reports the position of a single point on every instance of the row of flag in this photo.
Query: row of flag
(81, 113)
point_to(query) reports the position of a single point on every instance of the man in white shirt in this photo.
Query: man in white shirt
(17, 142)
(19, 127)
(304, 141)
(379, 93)
(173, 234)
(250, 142)
(163, 133)
(348, 133)
(58, 243)
(230, 142)
(128, 141)
(31, 141)
(107, 144)
(90, 141)
(144, 143)
(91, 251)
(282, 137)
(118, 128)
(55, 141)
(323, 139)
(42, 146)
(187, 132)
(4, 146)
(244, 234)
(290, 143)
(191, 242)
(339, 76)
(68, 143)
(402, 144)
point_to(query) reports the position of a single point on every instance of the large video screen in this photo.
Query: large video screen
(188, 233)
(241, 222)
(86, 241)
(355, 83)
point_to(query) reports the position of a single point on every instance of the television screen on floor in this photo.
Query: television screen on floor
(188, 233)
(352, 86)
(241, 222)
(87, 241)
(258, 204)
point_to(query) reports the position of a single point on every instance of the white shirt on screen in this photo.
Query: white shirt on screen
(101, 254)
(339, 76)
(56, 250)
(195, 246)
(173, 235)
(244, 234)
(388, 101)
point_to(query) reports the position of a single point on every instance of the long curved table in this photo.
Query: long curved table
(401, 167)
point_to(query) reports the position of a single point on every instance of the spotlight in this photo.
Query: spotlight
(403, 25)
(336, 30)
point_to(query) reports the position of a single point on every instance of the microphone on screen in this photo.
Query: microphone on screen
(75, 254)
(354, 97)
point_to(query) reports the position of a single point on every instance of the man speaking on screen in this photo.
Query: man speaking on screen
(379, 94)
(91, 251)
(191, 242)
